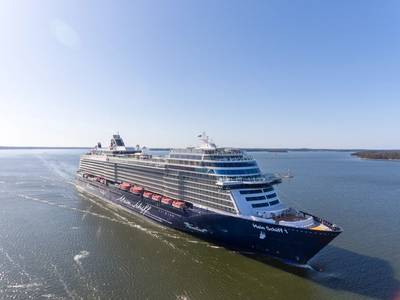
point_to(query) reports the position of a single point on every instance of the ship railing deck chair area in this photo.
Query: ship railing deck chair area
(294, 218)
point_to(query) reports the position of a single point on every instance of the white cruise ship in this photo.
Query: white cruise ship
(218, 194)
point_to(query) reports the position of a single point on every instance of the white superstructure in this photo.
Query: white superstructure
(225, 180)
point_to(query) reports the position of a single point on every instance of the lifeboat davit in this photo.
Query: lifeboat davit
(166, 200)
(125, 186)
(178, 204)
(136, 190)
(156, 197)
(147, 194)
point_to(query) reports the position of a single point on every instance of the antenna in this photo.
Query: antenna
(207, 143)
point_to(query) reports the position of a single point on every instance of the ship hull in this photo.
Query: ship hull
(291, 244)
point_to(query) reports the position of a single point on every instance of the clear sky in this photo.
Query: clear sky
(249, 73)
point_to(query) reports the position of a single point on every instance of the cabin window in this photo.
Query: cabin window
(118, 142)
(230, 165)
(274, 202)
(255, 198)
(269, 189)
(259, 205)
(270, 196)
(250, 192)
(237, 171)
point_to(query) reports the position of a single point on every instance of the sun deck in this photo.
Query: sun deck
(293, 218)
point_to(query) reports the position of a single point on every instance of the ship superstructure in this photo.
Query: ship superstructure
(204, 181)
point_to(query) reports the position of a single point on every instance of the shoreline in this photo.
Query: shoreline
(392, 155)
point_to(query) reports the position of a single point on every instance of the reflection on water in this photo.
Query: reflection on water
(56, 243)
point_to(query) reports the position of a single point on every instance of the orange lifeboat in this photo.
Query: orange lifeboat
(125, 186)
(136, 190)
(178, 204)
(156, 197)
(166, 200)
(147, 194)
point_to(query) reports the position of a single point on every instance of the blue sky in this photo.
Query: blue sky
(249, 73)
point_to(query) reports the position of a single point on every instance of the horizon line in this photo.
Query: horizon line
(273, 149)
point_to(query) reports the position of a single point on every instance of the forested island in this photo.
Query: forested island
(378, 154)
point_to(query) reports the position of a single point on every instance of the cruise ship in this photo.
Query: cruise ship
(217, 194)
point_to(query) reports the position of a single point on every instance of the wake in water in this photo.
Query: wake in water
(164, 235)
(121, 220)
(58, 170)
(70, 293)
(15, 264)
(25, 286)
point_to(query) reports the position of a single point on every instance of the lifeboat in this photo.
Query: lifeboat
(156, 197)
(166, 200)
(136, 190)
(147, 194)
(178, 204)
(125, 186)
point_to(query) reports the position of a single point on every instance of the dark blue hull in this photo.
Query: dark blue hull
(293, 244)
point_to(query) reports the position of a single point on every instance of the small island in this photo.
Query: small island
(378, 154)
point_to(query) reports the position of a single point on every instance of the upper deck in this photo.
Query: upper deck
(228, 167)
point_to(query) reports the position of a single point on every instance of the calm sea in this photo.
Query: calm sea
(57, 244)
